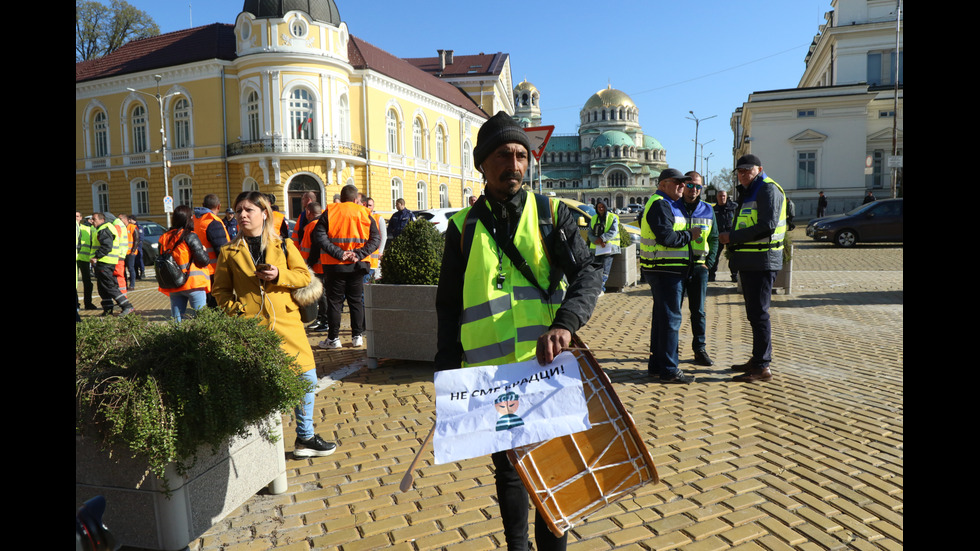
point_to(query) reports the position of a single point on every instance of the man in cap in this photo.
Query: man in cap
(501, 297)
(664, 262)
(756, 243)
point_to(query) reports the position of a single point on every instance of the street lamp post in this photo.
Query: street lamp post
(163, 137)
(697, 124)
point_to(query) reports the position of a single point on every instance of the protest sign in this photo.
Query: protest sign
(481, 410)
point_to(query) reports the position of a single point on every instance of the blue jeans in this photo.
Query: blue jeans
(697, 289)
(179, 300)
(757, 292)
(607, 260)
(304, 412)
(667, 289)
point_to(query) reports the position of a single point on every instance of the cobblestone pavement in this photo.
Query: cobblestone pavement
(811, 460)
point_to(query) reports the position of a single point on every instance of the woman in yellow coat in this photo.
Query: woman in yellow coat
(255, 276)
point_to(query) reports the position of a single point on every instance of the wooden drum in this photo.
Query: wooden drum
(571, 477)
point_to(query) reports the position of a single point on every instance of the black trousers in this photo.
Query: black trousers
(109, 286)
(757, 292)
(338, 286)
(85, 274)
(514, 501)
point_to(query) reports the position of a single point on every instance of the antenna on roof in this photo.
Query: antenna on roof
(190, 15)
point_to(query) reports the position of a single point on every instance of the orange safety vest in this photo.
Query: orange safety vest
(197, 278)
(132, 229)
(277, 220)
(201, 229)
(307, 243)
(349, 228)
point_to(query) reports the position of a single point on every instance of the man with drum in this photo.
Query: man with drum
(501, 297)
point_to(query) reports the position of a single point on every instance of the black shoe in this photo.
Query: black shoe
(91, 306)
(318, 326)
(747, 366)
(680, 378)
(314, 447)
(701, 357)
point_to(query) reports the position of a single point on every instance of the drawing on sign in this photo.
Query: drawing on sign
(507, 404)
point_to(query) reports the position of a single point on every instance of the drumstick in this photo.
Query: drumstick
(409, 477)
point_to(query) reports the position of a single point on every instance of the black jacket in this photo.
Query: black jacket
(571, 254)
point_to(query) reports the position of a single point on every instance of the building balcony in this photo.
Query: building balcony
(285, 146)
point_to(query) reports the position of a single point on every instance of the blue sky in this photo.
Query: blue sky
(670, 56)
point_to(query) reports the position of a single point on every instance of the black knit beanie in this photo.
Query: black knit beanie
(498, 130)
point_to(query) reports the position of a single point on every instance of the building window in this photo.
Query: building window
(101, 125)
(417, 139)
(139, 129)
(466, 157)
(183, 191)
(422, 196)
(141, 197)
(182, 124)
(440, 145)
(391, 123)
(886, 114)
(298, 28)
(301, 114)
(881, 68)
(806, 169)
(252, 115)
(102, 197)
(800, 113)
(344, 118)
(443, 196)
(396, 191)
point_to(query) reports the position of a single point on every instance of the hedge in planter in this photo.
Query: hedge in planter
(160, 391)
(414, 257)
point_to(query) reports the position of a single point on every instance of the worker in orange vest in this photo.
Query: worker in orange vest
(346, 235)
(211, 231)
(311, 253)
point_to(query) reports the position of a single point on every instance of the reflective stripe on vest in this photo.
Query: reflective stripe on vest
(348, 227)
(748, 216)
(701, 217)
(648, 241)
(502, 325)
(113, 256)
(201, 229)
(197, 278)
(652, 254)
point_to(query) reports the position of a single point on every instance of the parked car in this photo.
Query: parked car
(634, 208)
(151, 236)
(875, 222)
(438, 217)
(587, 211)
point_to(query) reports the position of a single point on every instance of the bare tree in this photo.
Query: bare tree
(101, 29)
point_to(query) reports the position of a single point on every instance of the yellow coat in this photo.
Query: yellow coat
(238, 291)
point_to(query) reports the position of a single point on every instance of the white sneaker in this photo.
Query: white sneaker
(330, 343)
(358, 341)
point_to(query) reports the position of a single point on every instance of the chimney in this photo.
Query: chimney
(442, 59)
(449, 57)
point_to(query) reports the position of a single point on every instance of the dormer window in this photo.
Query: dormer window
(298, 28)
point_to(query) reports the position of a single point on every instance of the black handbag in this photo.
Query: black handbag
(169, 275)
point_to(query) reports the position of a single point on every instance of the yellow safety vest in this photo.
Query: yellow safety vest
(654, 255)
(503, 312)
(113, 256)
(748, 216)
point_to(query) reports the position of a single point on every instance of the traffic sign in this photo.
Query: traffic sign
(538, 135)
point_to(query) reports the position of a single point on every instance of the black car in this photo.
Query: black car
(151, 235)
(875, 222)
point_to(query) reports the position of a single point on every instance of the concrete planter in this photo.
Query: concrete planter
(400, 321)
(625, 269)
(138, 512)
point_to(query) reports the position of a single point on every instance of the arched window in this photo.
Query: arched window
(421, 196)
(141, 196)
(301, 114)
(101, 126)
(182, 123)
(250, 184)
(344, 118)
(183, 191)
(396, 191)
(391, 124)
(101, 198)
(467, 149)
(440, 145)
(417, 139)
(443, 196)
(252, 114)
(138, 119)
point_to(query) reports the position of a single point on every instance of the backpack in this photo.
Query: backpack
(169, 275)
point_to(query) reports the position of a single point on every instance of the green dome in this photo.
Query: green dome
(613, 138)
(610, 97)
(649, 142)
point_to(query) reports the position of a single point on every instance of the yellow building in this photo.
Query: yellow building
(281, 102)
